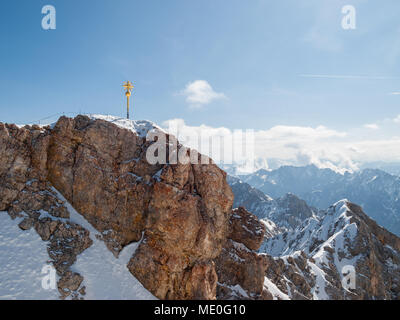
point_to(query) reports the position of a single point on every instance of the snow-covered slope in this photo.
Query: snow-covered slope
(314, 259)
(312, 251)
(105, 276)
(328, 228)
(321, 243)
(141, 127)
(23, 254)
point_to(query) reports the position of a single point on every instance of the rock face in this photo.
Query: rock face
(246, 229)
(179, 212)
(185, 231)
(240, 269)
(99, 168)
(293, 211)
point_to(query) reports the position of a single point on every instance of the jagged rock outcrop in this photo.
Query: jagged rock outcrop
(293, 211)
(240, 269)
(246, 228)
(340, 255)
(180, 212)
(292, 276)
(282, 214)
(100, 168)
(25, 193)
(256, 202)
(187, 226)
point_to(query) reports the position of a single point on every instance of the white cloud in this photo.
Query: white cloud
(200, 92)
(304, 145)
(371, 126)
(300, 133)
(397, 119)
(396, 93)
(294, 145)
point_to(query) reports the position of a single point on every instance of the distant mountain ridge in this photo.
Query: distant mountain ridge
(282, 214)
(375, 190)
(310, 253)
(317, 259)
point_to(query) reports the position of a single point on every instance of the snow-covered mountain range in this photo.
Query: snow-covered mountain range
(338, 253)
(375, 190)
(80, 199)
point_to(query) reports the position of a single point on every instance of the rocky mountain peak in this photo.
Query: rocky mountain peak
(314, 257)
(343, 240)
(85, 183)
(377, 191)
(179, 212)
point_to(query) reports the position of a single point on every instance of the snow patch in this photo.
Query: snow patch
(140, 127)
(273, 289)
(106, 277)
(23, 254)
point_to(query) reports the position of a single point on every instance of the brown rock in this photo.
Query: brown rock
(45, 228)
(183, 233)
(239, 266)
(26, 224)
(70, 282)
(240, 269)
(101, 169)
(246, 229)
(89, 163)
(67, 241)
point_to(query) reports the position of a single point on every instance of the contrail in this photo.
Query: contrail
(327, 76)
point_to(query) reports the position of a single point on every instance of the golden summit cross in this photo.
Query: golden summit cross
(128, 92)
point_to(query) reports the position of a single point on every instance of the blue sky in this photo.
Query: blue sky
(267, 62)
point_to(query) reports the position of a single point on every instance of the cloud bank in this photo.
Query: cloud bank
(200, 93)
(296, 145)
